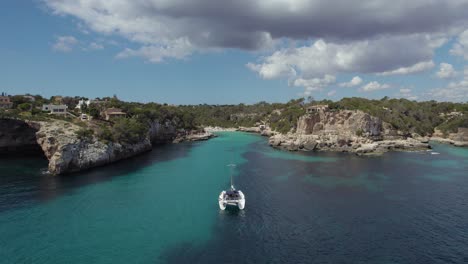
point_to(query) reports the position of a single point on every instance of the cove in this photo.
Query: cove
(161, 207)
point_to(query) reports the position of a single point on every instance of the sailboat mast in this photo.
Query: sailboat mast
(231, 166)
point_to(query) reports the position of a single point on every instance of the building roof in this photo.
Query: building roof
(317, 106)
(114, 111)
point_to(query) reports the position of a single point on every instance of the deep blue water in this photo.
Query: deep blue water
(161, 207)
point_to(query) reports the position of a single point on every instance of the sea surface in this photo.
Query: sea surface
(161, 207)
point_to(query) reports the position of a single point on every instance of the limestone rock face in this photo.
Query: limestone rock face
(345, 131)
(67, 153)
(161, 133)
(345, 123)
(461, 135)
(459, 139)
(193, 136)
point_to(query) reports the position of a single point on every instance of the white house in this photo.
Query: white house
(83, 102)
(55, 109)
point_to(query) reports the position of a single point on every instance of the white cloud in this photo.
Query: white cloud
(405, 91)
(257, 25)
(455, 91)
(446, 71)
(314, 84)
(416, 68)
(460, 48)
(331, 93)
(355, 81)
(95, 46)
(384, 55)
(373, 37)
(177, 49)
(65, 43)
(374, 86)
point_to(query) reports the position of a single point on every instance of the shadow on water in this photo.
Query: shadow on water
(24, 180)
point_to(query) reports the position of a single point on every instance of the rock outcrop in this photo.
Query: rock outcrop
(58, 142)
(344, 131)
(193, 136)
(67, 153)
(264, 131)
(161, 133)
(459, 139)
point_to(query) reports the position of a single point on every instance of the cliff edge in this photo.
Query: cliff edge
(67, 152)
(345, 131)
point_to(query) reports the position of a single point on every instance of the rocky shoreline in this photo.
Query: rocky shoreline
(357, 145)
(342, 131)
(190, 137)
(458, 139)
(450, 141)
(67, 153)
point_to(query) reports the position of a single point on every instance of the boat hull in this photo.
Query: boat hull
(224, 201)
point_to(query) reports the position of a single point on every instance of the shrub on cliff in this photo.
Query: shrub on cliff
(25, 107)
(452, 125)
(104, 134)
(128, 130)
(84, 134)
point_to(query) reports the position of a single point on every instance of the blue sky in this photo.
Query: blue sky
(168, 51)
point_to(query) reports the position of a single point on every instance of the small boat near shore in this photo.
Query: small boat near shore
(231, 197)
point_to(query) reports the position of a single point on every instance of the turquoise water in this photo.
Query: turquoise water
(161, 207)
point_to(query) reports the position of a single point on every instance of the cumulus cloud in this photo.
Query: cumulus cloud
(380, 55)
(331, 93)
(370, 37)
(178, 49)
(454, 91)
(256, 24)
(64, 43)
(374, 86)
(407, 93)
(355, 81)
(415, 68)
(446, 71)
(315, 84)
(95, 46)
(460, 48)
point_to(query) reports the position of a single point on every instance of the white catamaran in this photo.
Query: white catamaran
(232, 196)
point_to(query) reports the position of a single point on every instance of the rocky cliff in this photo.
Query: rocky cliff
(459, 139)
(67, 153)
(346, 131)
(161, 133)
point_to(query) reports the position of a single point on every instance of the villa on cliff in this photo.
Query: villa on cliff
(111, 113)
(55, 109)
(317, 108)
(83, 102)
(5, 102)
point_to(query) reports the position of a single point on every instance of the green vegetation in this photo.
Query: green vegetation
(453, 124)
(406, 116)
(85, 134)
(128, 130)
(105, 134)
